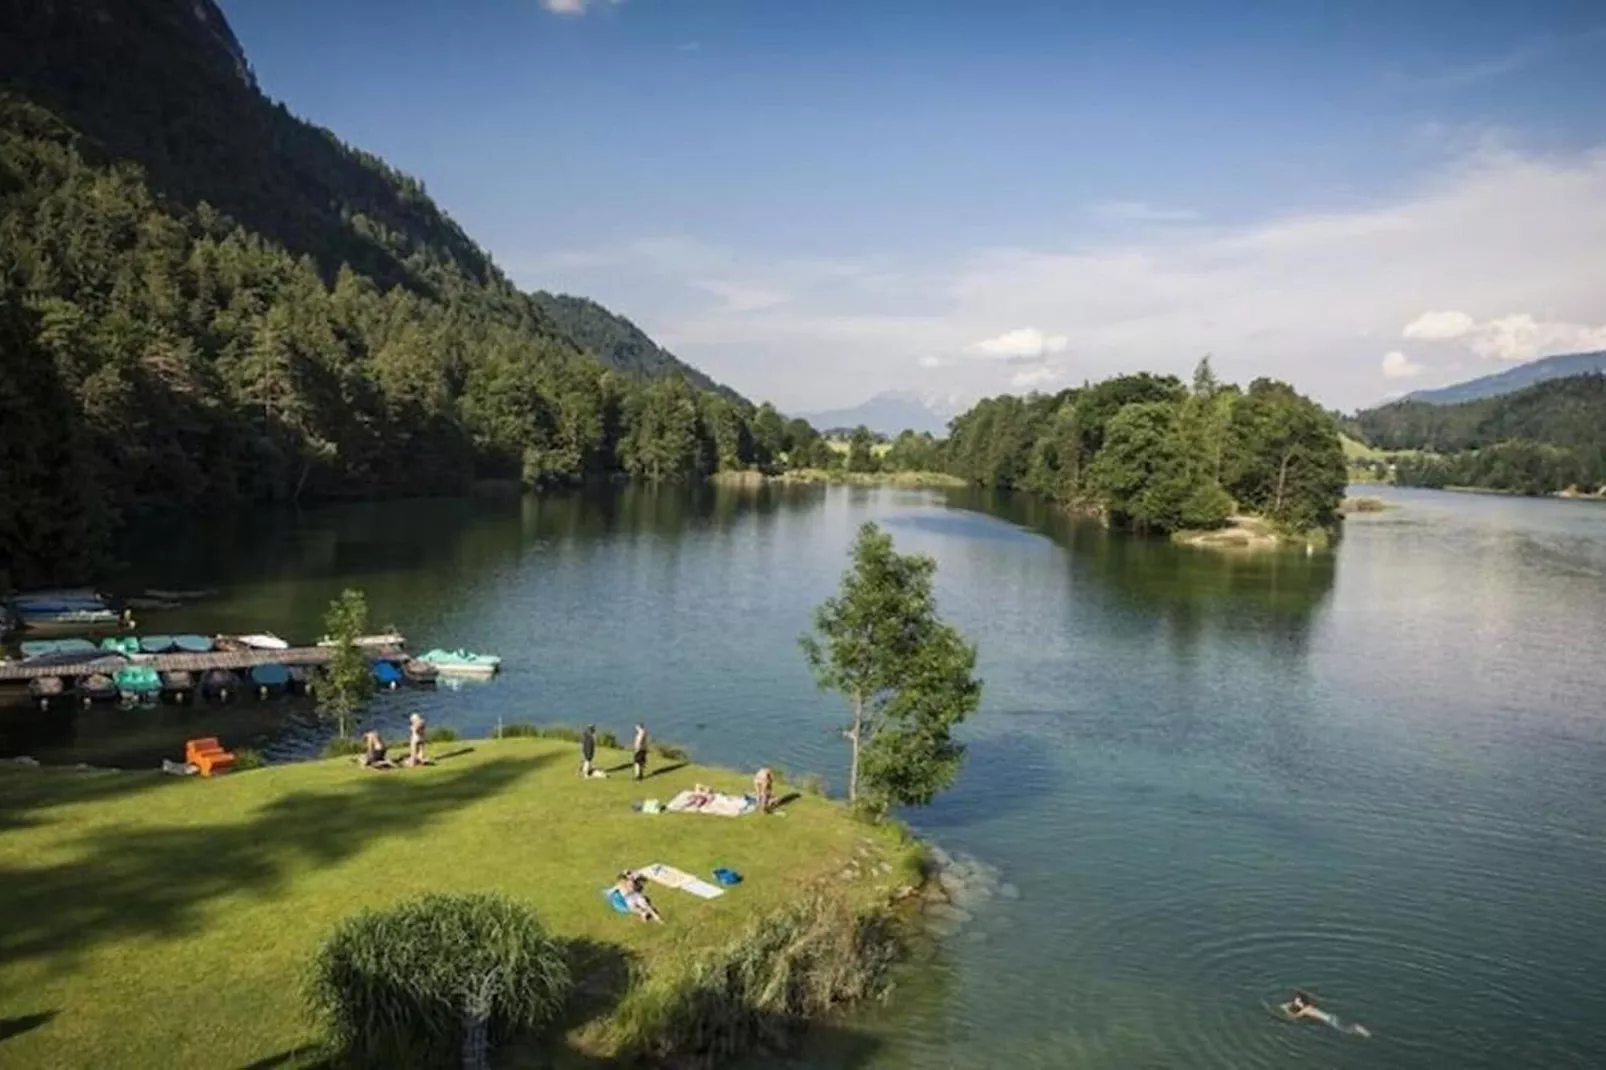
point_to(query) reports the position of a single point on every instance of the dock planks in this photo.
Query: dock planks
(182, 662)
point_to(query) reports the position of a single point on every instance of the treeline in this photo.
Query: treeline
(1543, 439)
(1149, 452)
(205, 302)
(160, 358)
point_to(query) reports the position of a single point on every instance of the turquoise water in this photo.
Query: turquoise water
(1377, 774)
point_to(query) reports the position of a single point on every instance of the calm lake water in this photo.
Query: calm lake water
(1377, 773)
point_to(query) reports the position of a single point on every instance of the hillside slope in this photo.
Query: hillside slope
(205, 300)
(1514, 379)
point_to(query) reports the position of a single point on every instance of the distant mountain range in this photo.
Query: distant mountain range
(1514, 379)
(891, 412)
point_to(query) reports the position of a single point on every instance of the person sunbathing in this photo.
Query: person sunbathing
(1303, 1008)
(629, 887)
(701, 796)
(373, 753)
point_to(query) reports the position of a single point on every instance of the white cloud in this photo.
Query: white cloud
(1140, 212)
(1437, 326)
(1516, 337)
(575, 7)
(1521, 337)
(1293, 296)
(1397, 365)
(1023, 343)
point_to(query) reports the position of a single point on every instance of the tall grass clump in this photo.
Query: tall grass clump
(670, 752)
(441, 735)
(342, 747)
(518, 730)
(247, 759)
(436, 980)
(761, 989)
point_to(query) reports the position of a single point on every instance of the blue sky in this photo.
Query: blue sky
(819, 200)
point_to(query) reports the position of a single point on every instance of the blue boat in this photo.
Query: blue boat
(156, 644)
(387, 674)
(38, 648)
(269, 678)
(76, 646)
(192, 644)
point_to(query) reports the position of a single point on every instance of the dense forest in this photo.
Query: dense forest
(205, 301)
(1151, 453)
(1547, 438)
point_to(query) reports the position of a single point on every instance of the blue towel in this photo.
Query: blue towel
(616, 899)
(727, 877)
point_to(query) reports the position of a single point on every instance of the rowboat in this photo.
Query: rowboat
(156, 644)
(219, 684)
(463, 663)
(264, 641)
(45, 689)
(61, 649)
(387, 674)
(420, 672)
(97, 687)
(178, 683)
(192, 644)
(269, 679)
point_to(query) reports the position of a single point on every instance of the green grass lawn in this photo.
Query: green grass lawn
(153, 921)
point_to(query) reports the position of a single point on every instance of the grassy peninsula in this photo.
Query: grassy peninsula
(170, 922)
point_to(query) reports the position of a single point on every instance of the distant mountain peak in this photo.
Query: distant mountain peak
(1511, 380)
(893, 411)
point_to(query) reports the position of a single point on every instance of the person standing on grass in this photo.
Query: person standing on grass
(588, 749)
(641, 750)
(764, 787)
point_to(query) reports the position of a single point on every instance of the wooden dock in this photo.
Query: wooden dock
(183, 662)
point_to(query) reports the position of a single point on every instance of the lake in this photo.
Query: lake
(1375, 773)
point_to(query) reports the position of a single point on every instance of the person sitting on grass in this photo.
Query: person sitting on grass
(415, 741)
(373, 752)
(629, 886)
(763, 788)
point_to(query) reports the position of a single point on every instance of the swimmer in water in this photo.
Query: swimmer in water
(1303, 1007)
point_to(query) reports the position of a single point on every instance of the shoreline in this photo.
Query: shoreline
(824, 476)
(827, 899)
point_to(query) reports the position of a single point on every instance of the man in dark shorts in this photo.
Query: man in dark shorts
(588, 749)
(641, 750)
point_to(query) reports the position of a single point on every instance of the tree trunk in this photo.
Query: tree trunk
(476, 1042)
(1282, 478)
(854, 738)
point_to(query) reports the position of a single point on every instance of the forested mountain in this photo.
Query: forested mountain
(1153, 454)
(1546, 438)
(1514, 379)
(205, 300)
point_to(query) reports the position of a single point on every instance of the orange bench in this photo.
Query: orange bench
(208, 756)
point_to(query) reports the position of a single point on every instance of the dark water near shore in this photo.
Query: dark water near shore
(1377, 774)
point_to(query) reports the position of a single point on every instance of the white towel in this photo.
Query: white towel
(670, 877)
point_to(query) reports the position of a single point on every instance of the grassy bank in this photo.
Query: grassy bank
(1250, 534)
(872, 479)
(168, 922)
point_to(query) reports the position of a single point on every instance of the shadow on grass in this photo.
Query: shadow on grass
(145, 882)
(667, 769)
(11, 1027)
(449, 755)
(25, 793)
(785, 801)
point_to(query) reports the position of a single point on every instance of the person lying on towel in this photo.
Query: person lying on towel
(629, 886)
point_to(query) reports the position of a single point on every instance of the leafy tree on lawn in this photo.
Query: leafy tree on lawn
(907, 675)
(861, 450)
(348, 679)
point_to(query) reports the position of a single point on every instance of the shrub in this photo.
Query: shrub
(247, 759)
(435, 980)
(669, 752)
(441, 735)
(342, 747)
(812, 784)
(563, 732)
(607, 739)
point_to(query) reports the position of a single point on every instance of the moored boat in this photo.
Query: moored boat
(300, 679)
(420, 672)
(156, 644)
(264, 641)
(269, 679)
(120, 644)
(46, 689)
(193, 644)
(97, 687)
(219, 684)
(386, 674)
(177, 683)
(138, 681)
(463, 663)
(385, 640)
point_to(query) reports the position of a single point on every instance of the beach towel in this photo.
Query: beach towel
(616, 899)
(670, 877)
(720, 805)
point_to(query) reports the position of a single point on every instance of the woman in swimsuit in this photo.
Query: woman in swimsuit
(1303, 1007)
(374, 752)
(415, 741)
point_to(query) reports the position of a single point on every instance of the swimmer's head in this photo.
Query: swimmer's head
(1301, 998)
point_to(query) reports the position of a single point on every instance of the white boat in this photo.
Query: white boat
(265, 641)
(462, 663)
